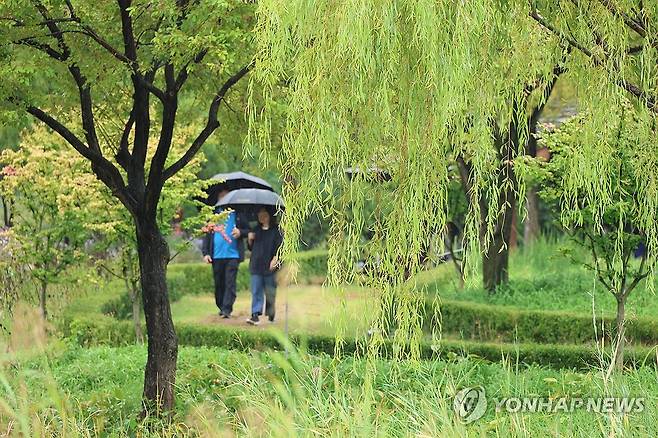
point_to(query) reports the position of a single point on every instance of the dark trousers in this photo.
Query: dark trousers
(225, 274)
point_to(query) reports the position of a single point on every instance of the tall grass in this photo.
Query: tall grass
(69, 391)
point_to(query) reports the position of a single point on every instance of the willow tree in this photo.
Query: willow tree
(118, 67)
(614, 58)
(406, 85)
(507, 143)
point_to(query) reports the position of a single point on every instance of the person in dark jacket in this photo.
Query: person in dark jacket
(223, 247)
(264, 243)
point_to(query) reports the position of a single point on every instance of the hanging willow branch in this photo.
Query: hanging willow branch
(407, 86)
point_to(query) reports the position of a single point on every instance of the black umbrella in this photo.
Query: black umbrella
(251, 200)
(233, 181)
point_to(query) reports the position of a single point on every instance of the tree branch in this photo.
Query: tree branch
(169, 110)
(130, 48)
(648, 99)
(53, 28)
(595, 256)
(566, 38)
(630, 22)
(211, 124)
(639, 276)
(45, 48)
(123, 156)
(104, 169)
(182, 75)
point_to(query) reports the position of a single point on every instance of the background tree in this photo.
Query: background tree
(616, 245)
(138, 62)
(400, 86)
(52, 193)
(497, 228)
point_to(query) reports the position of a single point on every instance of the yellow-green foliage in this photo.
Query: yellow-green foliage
(55, 203)
(407, 85)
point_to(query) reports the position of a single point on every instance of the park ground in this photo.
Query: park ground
(251, 388)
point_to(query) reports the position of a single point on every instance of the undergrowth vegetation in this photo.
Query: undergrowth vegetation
(90, 392)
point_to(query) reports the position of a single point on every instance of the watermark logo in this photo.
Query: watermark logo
(470, 404)
(606, 405)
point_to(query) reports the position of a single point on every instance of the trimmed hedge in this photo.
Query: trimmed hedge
(88, 332)
(196, 278)
(504, 324)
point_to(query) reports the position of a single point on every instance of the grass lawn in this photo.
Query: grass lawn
(541, 279)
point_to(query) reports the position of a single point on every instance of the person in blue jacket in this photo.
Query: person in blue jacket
(223, 247)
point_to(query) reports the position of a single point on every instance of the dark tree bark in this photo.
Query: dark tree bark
(160, 372)
(532, 225)
(495, 244)
(6, 212)
(495, 260)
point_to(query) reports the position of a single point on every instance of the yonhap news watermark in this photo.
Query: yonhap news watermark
(470, 404)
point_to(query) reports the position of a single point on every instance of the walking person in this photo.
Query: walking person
(223, 247)
(264, 243)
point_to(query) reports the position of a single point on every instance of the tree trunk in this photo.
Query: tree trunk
(495, 263)
(6, 212)
(531, 227)
(495, 257)
(43, 294)
(618, 358)
(513, 241)
(160, 373)
(137, 314)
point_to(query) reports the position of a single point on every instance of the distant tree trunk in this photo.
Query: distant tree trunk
(495, 251)
(495, 258)
(160, 373)
(620, 333)
(531, 226)
(513, 237)
(6, 212)
(43, 295)
(451, 234)
(133, 292)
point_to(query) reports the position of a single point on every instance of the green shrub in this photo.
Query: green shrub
(505, 324)
(108, 332)
(100, 331)
(196, 278)
(312, 264)
(120, 307)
